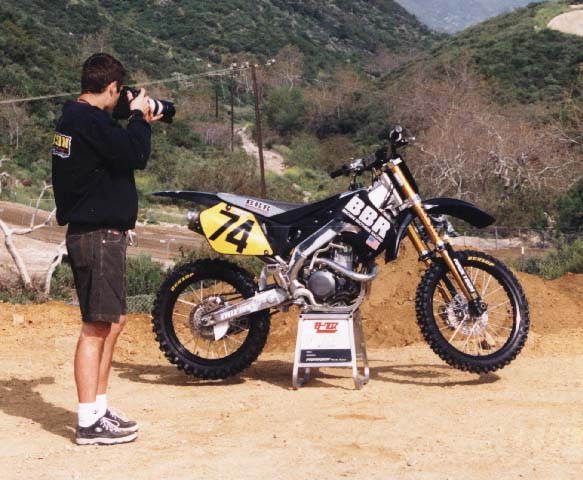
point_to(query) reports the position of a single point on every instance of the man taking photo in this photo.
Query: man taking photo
(93, 165)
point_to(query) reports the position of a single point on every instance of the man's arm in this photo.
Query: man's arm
(131, 147)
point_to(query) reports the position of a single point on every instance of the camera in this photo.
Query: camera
(164, 107)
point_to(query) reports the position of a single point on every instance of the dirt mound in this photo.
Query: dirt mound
(388, 314)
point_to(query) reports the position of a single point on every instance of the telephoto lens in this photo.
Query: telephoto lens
(164, 107)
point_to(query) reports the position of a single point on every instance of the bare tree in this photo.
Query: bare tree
(287, 69)
(471, 147)
(9, 232)
(13, 118)
(334, 95)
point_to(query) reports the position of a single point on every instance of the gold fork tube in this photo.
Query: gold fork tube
(422, 250)
(415, 200)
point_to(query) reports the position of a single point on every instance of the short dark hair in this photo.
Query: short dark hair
(99, 70)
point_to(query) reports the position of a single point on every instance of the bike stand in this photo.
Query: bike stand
(330, 340)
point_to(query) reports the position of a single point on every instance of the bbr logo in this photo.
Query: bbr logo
(368, 217)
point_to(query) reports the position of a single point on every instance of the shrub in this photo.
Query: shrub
(285, 110)
(143, 275)
(251, 264)
(568, 258)
(337, 151)
(305, 152)
(570, 208)
(62, 283)
(14, 292)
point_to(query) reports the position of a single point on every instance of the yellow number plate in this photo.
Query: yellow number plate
(233, 231)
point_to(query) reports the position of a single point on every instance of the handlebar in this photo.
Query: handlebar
(340, 172)
(357, 166)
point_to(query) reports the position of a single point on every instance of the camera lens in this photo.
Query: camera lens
(156, 106)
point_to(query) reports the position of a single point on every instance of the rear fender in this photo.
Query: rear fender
(201, 198)
(439, 206)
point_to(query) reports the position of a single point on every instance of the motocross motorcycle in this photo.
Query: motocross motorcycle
(211, 318)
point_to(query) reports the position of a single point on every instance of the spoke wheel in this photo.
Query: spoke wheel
(187, 295)
(476, 343)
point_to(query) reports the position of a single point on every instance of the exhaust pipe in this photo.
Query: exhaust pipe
(357, 277)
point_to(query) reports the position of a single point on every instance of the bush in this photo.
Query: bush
(285, 110)
(337, 151)
(232, 172)
(143, 275)
(14, 292)
(251, 264)
(62, 283)
(305, 152)
(568, 258)
(570, 208)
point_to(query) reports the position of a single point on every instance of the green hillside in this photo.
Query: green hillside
(498, 114)
(524, 60)
(43, 41)
(323, 30)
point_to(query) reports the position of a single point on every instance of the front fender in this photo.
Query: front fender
(439, 206)
(461, 209)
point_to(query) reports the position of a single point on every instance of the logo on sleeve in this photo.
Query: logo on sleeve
(61, 145)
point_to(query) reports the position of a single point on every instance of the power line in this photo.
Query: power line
(176, 78)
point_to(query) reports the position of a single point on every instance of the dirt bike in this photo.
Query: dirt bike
(212, 319)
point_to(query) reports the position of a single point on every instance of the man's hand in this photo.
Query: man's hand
(142, 103)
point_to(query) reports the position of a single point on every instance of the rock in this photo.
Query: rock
(17, 319)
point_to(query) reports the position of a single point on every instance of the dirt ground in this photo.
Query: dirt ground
(416, 419)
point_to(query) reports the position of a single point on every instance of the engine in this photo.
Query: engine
(325, 282)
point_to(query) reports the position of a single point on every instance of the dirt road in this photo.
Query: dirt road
(161, 242)
(273, 160)
(569, 22)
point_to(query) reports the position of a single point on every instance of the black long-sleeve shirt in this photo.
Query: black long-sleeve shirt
(94, 159)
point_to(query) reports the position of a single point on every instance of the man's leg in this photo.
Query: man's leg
(88, 359)
(125, 423)
(108, 347)
(94, 427)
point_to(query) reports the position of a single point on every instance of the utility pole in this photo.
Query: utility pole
(258, 130)
(216, 99)
(233, 83)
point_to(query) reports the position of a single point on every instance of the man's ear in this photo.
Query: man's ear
(112, 88)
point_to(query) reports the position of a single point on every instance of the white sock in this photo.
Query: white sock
(87, 414)
(101, 404)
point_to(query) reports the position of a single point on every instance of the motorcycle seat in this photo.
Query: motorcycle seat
(266, 208)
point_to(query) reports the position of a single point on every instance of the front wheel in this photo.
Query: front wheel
(478, 344)
(189, 293)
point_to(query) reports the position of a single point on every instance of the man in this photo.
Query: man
(93, 163)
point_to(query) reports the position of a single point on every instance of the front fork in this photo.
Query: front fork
(443, 248)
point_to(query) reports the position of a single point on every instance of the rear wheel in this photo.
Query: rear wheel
(194, 290)
(476, 343)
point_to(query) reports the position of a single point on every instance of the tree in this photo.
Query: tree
(15, 254)
(471, 147)
(287, 70)
(285, 110)
(570, 208)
